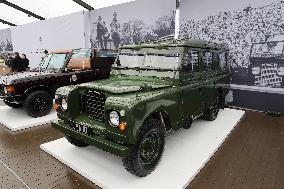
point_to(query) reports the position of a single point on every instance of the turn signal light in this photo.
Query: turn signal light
(122, 127)
(11, 89)
(56, 106)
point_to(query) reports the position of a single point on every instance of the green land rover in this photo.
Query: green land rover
(154, 88)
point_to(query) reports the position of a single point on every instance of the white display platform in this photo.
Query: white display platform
(186, 153)
(17, 119)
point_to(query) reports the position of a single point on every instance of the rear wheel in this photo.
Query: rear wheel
(211, 113)
(75, 141)
(145, 155)
(38, 103)
(13, 105)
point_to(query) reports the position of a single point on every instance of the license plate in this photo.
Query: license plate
(82, 129)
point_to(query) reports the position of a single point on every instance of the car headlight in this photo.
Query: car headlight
(255, 70)
(114, 118)
(64, 104)
(5, 90)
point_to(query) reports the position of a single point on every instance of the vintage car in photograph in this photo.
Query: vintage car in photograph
(266, 68)
(154, 88)
(34, 89)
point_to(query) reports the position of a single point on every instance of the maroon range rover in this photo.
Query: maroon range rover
(34, 90)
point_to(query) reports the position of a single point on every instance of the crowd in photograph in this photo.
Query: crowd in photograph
(239, 29)
(117, 33)
(17, 63)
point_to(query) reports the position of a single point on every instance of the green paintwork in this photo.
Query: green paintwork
(178, 94)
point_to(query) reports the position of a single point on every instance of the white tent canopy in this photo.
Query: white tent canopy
(45, 9)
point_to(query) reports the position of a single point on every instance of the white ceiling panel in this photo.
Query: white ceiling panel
(49, 8)
(14, 16)
(3, 26)
(104, 3)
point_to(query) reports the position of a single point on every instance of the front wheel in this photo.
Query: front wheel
(75, 141)
(12, 105)
(38, 103)
(145, 155)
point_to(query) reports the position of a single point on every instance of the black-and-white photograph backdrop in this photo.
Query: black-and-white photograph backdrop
(254, 31)
(6, 41)
(132, 22)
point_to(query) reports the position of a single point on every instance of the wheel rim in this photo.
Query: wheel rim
(149, 148)
(40, 104)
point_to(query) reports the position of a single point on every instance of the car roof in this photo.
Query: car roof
(177, 43)
(60, 52)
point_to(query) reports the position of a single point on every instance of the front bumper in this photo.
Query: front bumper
(96, 140)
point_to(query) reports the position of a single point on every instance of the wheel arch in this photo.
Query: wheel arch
(38, 88)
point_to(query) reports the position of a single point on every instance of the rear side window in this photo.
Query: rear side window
(191, 61)
(223, 61)
(208, 60)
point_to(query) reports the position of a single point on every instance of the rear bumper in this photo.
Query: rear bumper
(96, 140)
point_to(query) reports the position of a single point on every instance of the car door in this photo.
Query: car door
(192, 95)
(80, 68)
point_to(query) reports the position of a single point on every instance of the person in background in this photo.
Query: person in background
(17, 63)
(25, 62)
(100, 33)
(115, 30)
(106, 34)
(9, 61)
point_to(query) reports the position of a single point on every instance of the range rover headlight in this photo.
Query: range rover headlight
(114, 118)
(64, 104)
(255, 70)
(5, 90)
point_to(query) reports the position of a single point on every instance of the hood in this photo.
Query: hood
(125, 86)
(15, 78)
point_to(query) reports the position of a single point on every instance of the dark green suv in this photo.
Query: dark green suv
(154, 88)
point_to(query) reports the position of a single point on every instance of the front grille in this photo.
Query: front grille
(93, 104)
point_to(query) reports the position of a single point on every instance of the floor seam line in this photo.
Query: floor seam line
(14, 174)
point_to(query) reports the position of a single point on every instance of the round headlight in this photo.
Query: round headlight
(114, 118)
(64, 104)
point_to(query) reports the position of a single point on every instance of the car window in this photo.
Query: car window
(223, 61)
(191, 60)
(208, 61)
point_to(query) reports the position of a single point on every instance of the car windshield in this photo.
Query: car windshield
(150, 58)
(54, 61)
(269, 49)
(82, 53)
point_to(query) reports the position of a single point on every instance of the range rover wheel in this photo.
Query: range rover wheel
(145, 155)
(12, 105)
(211, 113)
(38, 103)
(75, 141)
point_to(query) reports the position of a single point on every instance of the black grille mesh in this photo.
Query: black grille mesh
(93, 104)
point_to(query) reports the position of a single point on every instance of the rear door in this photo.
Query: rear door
(190, 80)
(208, 77)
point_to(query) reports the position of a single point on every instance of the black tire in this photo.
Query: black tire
(211, 113)
(12, 105)
(188, 124)
(145, 155)
(75, 141)
(38, 103)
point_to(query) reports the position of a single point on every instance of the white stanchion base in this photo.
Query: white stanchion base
(17, 119)
(186, 153)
